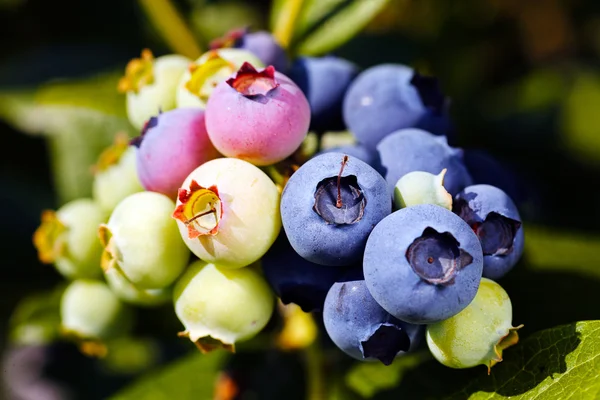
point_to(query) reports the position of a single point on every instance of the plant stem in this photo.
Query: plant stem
(172, 27)
(286, 22)
(315, 372)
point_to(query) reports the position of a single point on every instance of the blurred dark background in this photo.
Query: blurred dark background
(524, 79)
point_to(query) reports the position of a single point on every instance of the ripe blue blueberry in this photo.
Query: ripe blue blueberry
(324, 81)
(296, 280)
(423, 264)
(409, 150)
(261, 43)
(359, 151)
(362, 329)
(495, 220)
(388, 97)
(330, 205)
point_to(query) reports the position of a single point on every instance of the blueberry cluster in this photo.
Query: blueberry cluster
(390, 237)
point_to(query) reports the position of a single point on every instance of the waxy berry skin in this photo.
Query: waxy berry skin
(151, 85)
(389, 97)
(362, 329)
(324, 81)
(495, 219)
(171, 146)
(423, 264)
(258, 116)
(409, 150)
(477, 335)
(228, 212)
(219, 306)
(320, 231)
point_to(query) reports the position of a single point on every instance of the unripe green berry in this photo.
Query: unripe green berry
(478, 334)
(115, 174)
(151, 85)
(129, 293)
(91, 313)
(143, 241)
(204, 74)
(419, 187)
(219, 307)
(67, 238)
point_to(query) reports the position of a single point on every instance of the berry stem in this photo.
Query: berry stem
(338, 203)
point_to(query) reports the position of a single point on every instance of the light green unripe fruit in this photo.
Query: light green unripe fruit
(478, 334)
(91, 313)
(420, 187)
(67, 238)
(228, 212)
(151, 85)
(219, 307)
(116, 175)
(129, 293)
(143, 242)
(204, 74)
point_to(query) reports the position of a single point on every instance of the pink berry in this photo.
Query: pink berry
(171, 146)
(258, 116)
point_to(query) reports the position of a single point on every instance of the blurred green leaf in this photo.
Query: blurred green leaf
(36, 318)
(79, 117)
(214, 19)
(559, 363)
(192, 377)
(276, 6)
(580, 117)
(369, 378)
(313, 12)
(130, 355)
(553, 250)
(341, 27)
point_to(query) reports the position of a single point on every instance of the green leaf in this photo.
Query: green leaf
(369, 378)
(36, 318)
(313, 12)
(341, 27)
(553, 250)
(559, 363)
(79, 118)
(192, 377)
(580, 117)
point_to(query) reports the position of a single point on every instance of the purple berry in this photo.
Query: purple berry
(171, 146)
(330, 205)
(389, 97)
(409, 150)
(362, 329)
(258, 116)
(495, 220)
(423, 264)
(324, 81)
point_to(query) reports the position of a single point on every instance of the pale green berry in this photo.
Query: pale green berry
(219, 307)
(228, 212)
(129, 293)
(115, 174)
(204, 74)
(67, 238)
(143, 242)
(151, 85)
(91, 313)
(420, 187)
(479, 333)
